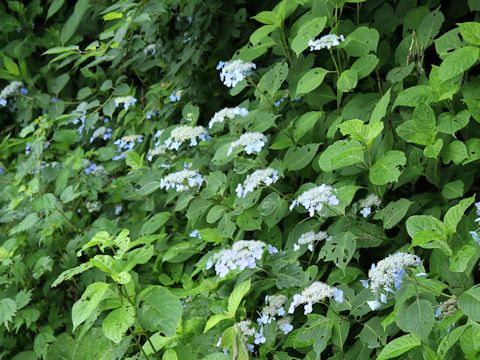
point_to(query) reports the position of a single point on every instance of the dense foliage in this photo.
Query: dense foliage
(188, 179)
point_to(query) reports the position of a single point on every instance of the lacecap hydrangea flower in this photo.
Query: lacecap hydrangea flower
(126, 144)
(127, 101)
(9, 90)
(316, 292)
(185, 133)
(266, 176)
(251, 142)
(102, 132)
(247, 331)
(175, 95)
(315, 199)
(309, 238)
(243, 254)
(234, 71)
(387, 274)
(367, 203)
(326, 42)
(182, 180)
(285, 325)
(274, 306)
(227, 113)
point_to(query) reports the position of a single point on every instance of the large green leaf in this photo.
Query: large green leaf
(340, 154)
(421, 129)
(88, 303)
(399, 346)
(312, 79)
(116, 324)
(386, 168)
(459, 61)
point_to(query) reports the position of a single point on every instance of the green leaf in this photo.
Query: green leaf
(112, 16)
(385, 170)
(340, 154)
(267, 17)
(154, 223)
(70, 273)
(311, 80)
(306, 32)
(361, 41)
(421, 129)
(297, 158)
(347, 81)
(357, 130)
(455, 214)
(8, 309)
(380, 109)
(453, 189)
(456, 151)
(394, 212)
(469, 302)
(415, 95)
(457, 62)
(159, 310)
(305, 124)
(429, 28)
(54, 7)
(11, 66)
(88, 303)
(339, 249)
(214, 320)
(420, 318)
(238, 293)
(470, 32)
(364, 65)
(432, 151)
(316, 331)
(72, 23)
(461, 259)
(273, 79)
(399, 346)
(116, 324)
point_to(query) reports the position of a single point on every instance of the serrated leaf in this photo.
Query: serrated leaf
(117, 322)
(238, 293)
(399, 346)
(457, 62)
(340, 154)
(88, 303)
(386, 168)
(311, 80)
(347, 81)
(394, 212)
(420, 318)
(455, 214)
(339, 249)
(306, 32)
(469, 302)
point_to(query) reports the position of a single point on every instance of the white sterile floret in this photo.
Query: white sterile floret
(309, 238)
(326, 42)
(182, 180)
(251, 142)
(315, 293)
(185, 133)
(266, 176)
(127, 101)
(315, 199)
(274, 307)
(387, 274)
(285, 325)
(366, 204)
(9, 90)
(234, 71)
(227, 113)
(243, 254)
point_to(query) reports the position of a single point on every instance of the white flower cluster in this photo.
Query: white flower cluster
(266, 176)
(182, 180)
(388, 273)
(125, 144)
(315, 199)
(366, 204)
(160, 149)
(315, 293)
(309, 238)
(9, 90)
(102, 132)
(127, 101)
(234, 71)
(274, 307)
(326, 42)
(251, 142)
(184, 133)
(227, 113)
(247, 331)
(243, 254)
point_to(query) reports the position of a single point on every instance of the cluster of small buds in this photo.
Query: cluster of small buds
(92, 206)
(182, 180)
(309, 238)
(367, 203)
(243, 254)
(175, 96)
(11, 89)
(274, 307)
(266, 176)
(90, 168)
(388, 273)
(285, 325)
(251, 142)
(315, 293)
(127, 101)
(227, 113)
(184, 133)
(150, 50)
(474, 234)
(126, 144)
(28, 149)
(102, 132)
(118, 210)
(447, 308)
(195, 234)
(234, 71)
(326, 42)
(316, 198)
(160, 149)
(280, 101)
